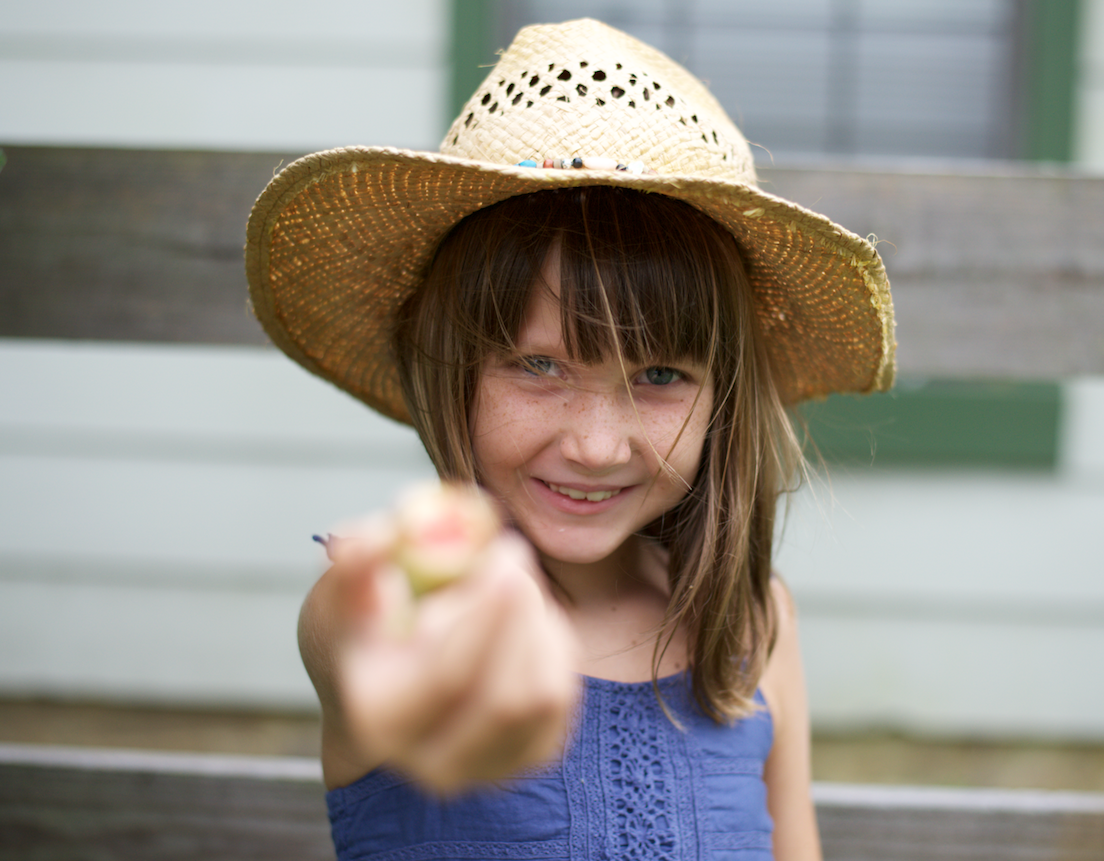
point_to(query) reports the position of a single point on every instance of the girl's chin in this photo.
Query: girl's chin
(577, 559)
(575, 550)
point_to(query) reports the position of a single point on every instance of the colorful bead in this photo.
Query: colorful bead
(588, 162)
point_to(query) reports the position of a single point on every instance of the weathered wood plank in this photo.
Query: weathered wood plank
(894, 823)
(62, 803)
(127, 244)
(997, 271)
(82, 804)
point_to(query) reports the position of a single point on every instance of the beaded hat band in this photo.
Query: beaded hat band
(340, 238)
(588, 162)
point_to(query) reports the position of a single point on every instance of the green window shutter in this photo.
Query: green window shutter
(472, 51)
(941, 423)
(1049, 77)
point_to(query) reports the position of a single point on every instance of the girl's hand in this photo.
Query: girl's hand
(471, 682)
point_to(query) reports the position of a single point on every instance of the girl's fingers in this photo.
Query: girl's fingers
(397, 689)
(493, 737)
(361, 542)
(517, 715)
(369, 586)
(480, 688)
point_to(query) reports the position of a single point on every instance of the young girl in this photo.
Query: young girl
(586, 307)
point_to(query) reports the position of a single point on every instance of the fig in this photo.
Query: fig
(441, 529)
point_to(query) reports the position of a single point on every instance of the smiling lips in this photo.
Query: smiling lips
(592, 496)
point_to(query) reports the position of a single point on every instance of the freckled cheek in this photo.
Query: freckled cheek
(503, 422)
(677, 423)
(690, 433)
(516, 414)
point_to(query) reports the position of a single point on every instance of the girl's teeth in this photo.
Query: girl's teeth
(593, 496)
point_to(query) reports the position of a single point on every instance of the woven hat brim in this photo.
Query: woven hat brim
(340, 238)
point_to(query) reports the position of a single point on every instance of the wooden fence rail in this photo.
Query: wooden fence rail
(996, 271)
(71, 803)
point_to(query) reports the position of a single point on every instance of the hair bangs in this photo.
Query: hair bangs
(635, 281)
(641, 276)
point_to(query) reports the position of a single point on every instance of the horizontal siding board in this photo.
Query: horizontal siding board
(930, 599)
(167, 497)
(127, 245)
(339, 51)
(884, 539)
(87, 394)
(881, 831)
(291, 769)
(209, 106)
(78, 803)
(955, 535)
(172, 514)
(163, 645)
(195, 20)
(996, 275)
(247, 75)
(1081, 452)
(54, 810)
(957, 678)
(881, 665)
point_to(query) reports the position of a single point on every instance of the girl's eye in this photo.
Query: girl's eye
(661, 376)
(538, 366)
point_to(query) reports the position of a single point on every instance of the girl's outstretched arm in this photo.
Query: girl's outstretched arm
(788, 772)
(473, 683)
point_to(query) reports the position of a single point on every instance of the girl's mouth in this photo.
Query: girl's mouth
(592, 496)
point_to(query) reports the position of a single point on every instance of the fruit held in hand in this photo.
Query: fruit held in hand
(441, 530)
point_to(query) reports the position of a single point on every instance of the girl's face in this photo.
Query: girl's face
(573, 454)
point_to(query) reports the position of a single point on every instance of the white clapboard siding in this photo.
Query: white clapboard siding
(1081, 451)
(1088, 139)
(952, 603)
(135, 805)
(273, 75)
(158, 503)
(957, 602)
(157, 510)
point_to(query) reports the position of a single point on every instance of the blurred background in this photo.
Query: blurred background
(160, 478)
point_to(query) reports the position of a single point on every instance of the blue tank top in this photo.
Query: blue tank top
(629, 785)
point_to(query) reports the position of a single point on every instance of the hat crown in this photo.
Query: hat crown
(584, 89)
(339, 239)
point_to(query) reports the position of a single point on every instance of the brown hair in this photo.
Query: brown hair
(650, 278)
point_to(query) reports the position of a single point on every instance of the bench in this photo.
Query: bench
(61, 803)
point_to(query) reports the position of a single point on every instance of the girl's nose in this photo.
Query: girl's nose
(598, 433)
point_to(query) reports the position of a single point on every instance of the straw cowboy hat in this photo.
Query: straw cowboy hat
(340, 238)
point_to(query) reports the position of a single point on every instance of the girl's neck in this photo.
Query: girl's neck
(638, 565)
(617, 607)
